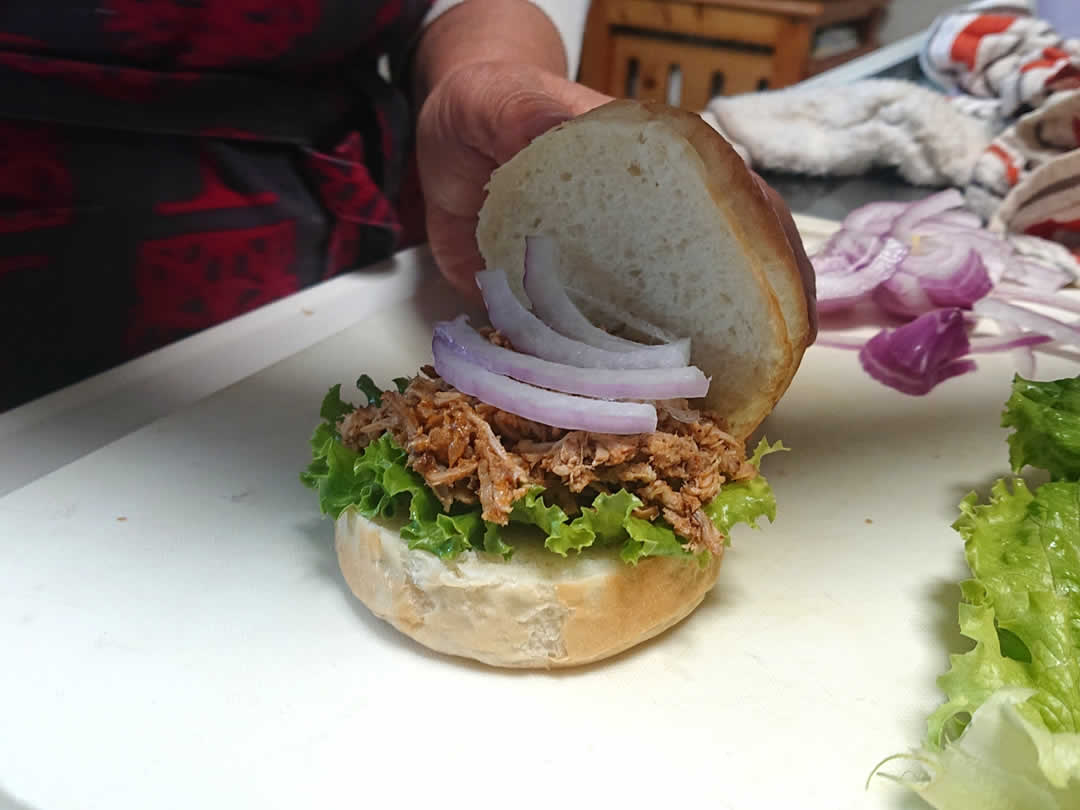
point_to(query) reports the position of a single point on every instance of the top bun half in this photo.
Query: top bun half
(655, 215)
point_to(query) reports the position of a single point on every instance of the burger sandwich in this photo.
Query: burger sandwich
(559, 484)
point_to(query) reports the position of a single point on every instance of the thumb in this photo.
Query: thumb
(545, 102)
(527, 118)
(519, 116)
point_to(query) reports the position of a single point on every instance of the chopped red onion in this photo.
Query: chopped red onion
(554, 307)
(997, 254)
(1004, 312)
(959, 285)
(615, 315)
(1008, 340)
(1019, 345)
(1024, 360)
(960, 218)
(929, 207)
(915, 357)
(1036, 275)
(1015, 292)
(902, 295)
(937, 252)
(951, 276)
(842, 288)
(529, 334)
(659, 383)
(855, 247)
(952, 263)
(883, 356)
(875, 218)
(547, 407)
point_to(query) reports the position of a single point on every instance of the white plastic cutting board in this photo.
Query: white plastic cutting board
(174, 632)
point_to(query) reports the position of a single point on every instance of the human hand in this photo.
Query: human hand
(474, 120)
(480, 116)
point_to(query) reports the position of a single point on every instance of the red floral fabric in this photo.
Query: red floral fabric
(166, 165)
(189, 282)
(35, 184)
(209, 35)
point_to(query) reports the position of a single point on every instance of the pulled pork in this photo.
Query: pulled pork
(471, 452)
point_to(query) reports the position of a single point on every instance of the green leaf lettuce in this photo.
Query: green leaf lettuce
(1046, 418)
(377, 483)
(1008, 735)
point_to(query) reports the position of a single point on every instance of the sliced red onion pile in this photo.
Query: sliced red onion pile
(529, 333)
(563, 370)
(548, 407)
(551, 302)
(604, 383)
(932, 265)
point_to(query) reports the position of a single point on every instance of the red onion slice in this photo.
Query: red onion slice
(855, 247)
(616, 315)
(875, 218)
(1003, 312)
(1024, 361)
(661, 383)
(1016, 292)
(957, 285)
(996, 253)
(1036, 275)
(1019, 345)
(930, 253)
(931, 206)
(547, 407)
(909, 293)
(959, 218)
(1007, 341)
(917, 356)
(554, 307)
(953, 264)
(529, 334)
(837, 290)
(902, 295)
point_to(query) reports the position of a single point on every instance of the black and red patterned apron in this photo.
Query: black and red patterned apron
(166, 165)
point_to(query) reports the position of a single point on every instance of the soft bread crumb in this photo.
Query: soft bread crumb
(661, 219)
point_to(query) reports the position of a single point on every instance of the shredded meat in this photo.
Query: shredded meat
(469, 451)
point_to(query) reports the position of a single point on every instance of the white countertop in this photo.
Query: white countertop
(47, 433)
(176, 634)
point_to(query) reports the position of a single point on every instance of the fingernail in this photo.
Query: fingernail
(542, 120)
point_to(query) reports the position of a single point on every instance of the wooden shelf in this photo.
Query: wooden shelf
(634, 48)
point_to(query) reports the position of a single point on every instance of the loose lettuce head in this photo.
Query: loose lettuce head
(377, 483)
(1008, 735)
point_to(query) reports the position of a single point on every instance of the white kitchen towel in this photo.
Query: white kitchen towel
(1000, 52)
(847, 130)
(1028, 180)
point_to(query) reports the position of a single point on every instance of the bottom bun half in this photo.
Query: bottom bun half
(537, 610)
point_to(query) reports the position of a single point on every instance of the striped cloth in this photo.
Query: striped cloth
(1000, 62)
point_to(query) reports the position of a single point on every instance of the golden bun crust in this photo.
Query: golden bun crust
(536, 610)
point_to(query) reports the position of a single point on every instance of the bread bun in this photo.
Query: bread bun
(536, 610)
(655, 214)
